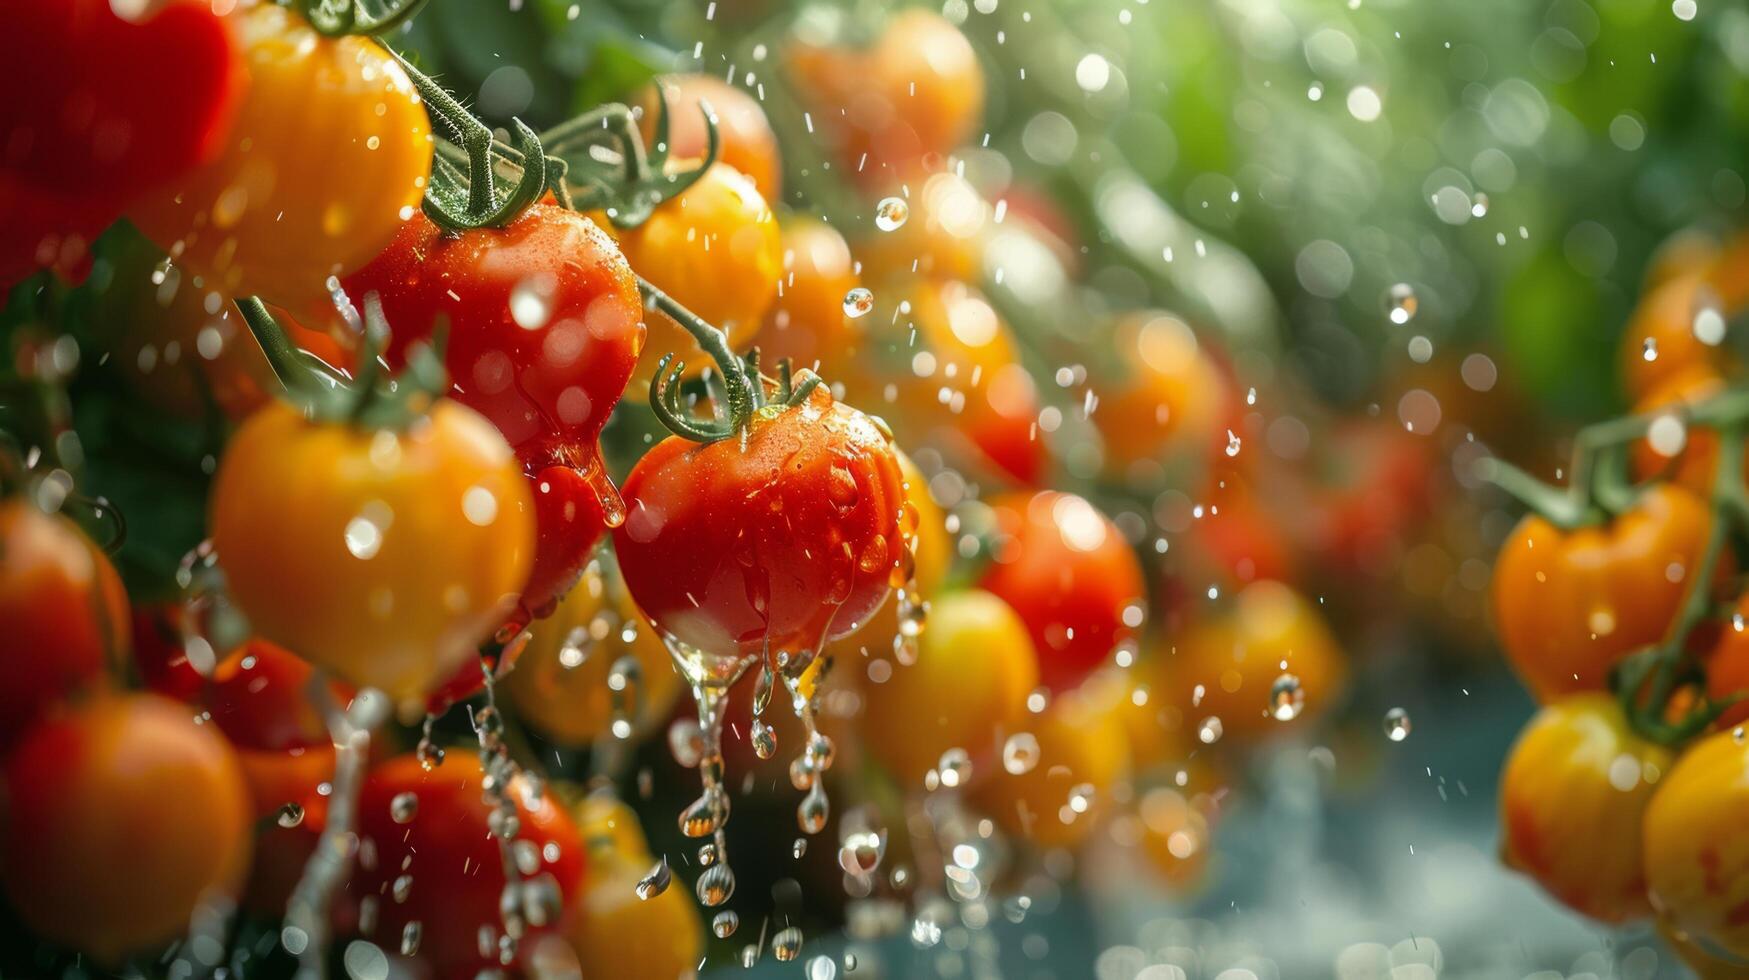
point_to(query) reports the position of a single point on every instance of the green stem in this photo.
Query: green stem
(738, 385)
(282, 355)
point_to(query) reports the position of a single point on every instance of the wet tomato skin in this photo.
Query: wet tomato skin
(789, 534)
(122, 814)
(1573, 798)
(453, 859)
(1697, 844)
(1066, 569)
(65, 613)
(1568, 604)
(544, 323)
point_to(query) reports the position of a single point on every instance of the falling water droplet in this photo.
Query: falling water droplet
(715, 885)
(1232, 443)
(955, 767)
(811, 813)
(725, 924)
(858, 302)
(1402, 303)
(1479, 205)
(291, 815)
(686, 742)
(410, 936)
(707, 854)
(861, 852)
(800, 847)
(404, 807)
(656, 882)
(787, 945)
(1020, 753)
(1649, 350)
(1286, 698)
(1209, 732)
(764, 739)
(891, 213)
(1397, 724)
(823, 968)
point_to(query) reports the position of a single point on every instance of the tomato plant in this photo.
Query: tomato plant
(121, 782)
(268, 215)
(1066, 569)
(746, 140)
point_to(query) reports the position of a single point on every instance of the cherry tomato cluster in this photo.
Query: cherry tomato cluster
(1617, 602)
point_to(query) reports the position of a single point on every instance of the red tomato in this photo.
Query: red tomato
(1727, 672)
(109, 106)
(1066, 569)
(122, 817)
(451, 860)
(64, 610)
(260, 698)
(745, 139)
(787, 535)
(159, 655)
(545, 324)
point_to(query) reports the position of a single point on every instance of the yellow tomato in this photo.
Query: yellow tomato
(1080, 756)
(807, 322)
(1168, 408)
(560, 683)
(1697, 843)
(383, 556)
(943, 236)
(1572, 801)
(1176, 838)
(616, 933)
(716, 250)
(330, 153)
(924, 709)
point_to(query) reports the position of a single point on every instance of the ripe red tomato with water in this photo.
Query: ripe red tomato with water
(1066, 569)
(785, 536)
(438, 863)
(544, 325)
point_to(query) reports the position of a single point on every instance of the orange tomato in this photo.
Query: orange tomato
(122, 817)
(807, 322)
(65, 613)
(943, 237)
(1660, 343)
(617, 933)
(1727, 669)
(716, 250)
(1080, 756)
(1169, 409)
(1697, 844)
(1693, 464)
(1573, 797)
(1569, 604)
(270, 216)
(1176, 838)
(1268, 663)
(383, 556)
(560, 683)
(745, 139)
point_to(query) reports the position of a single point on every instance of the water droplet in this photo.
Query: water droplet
(858, 302)
(364, 537)
(1402, 303)
(1397, 725)
(811, 813)
(955, 767)
(404, 807)
(1709, 325)
(704, 815)
(800, 847)
(291, 815)
(1209, 732)
(707, 854)
(531, 301)
(725, 923)
(787, 945)
(1232, 443)
(822, 968)
(410, 936)
(715, 885)
(1286, 698)
(891, 213)
(656, 882)
(763, 738)
(686, 742)
(1479, 205)
(1020, 753)
(1649, 350)
(861, 852)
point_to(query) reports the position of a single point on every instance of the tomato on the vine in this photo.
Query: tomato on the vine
(1573, 798)
(1168, 409)
(545, 324)
(122, 817)
(1693, 463)
(384, 556)
(1697, 845)
(1069, 573)
(438, 860)
(1059, 786)
(1267, 663)
(1660, 343)
(807, 322)
(914, 713)
(745, 139)
(1176, 838)
(329, 155)
(617, 932)
(65, 613)
(119, 99)
(1569, 604)
(1727, 667)
(561, 683)
(946, 228)
(715, 248)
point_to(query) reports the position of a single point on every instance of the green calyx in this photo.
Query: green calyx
(628, 181)
(340, 18)
(371, 400)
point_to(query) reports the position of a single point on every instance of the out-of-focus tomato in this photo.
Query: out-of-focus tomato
(1058, 787)
(921, 710)
(120, 98)
(716, 250)
(1160, 734)
(122, 817)
(1266, 664)
(1176, 838)
(949, 367)
(773, 541)
(560, 684)
(1238, 537)
(1569, 604)
(807, 322)
(1066, 569)
(1697, 845)
(1375, 488)
(260, 698)
(432, 829)
(545, 325)
(159, 654)
(1573, 798)
(64, 612)
(1703, 956)
(1727, 670)
(745, 139)
(615, 932)
(383, 556)
(1168, 409)
(328, 157)
(1693, 464)
(1660, 343)
(943, 236)
(912, 97)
